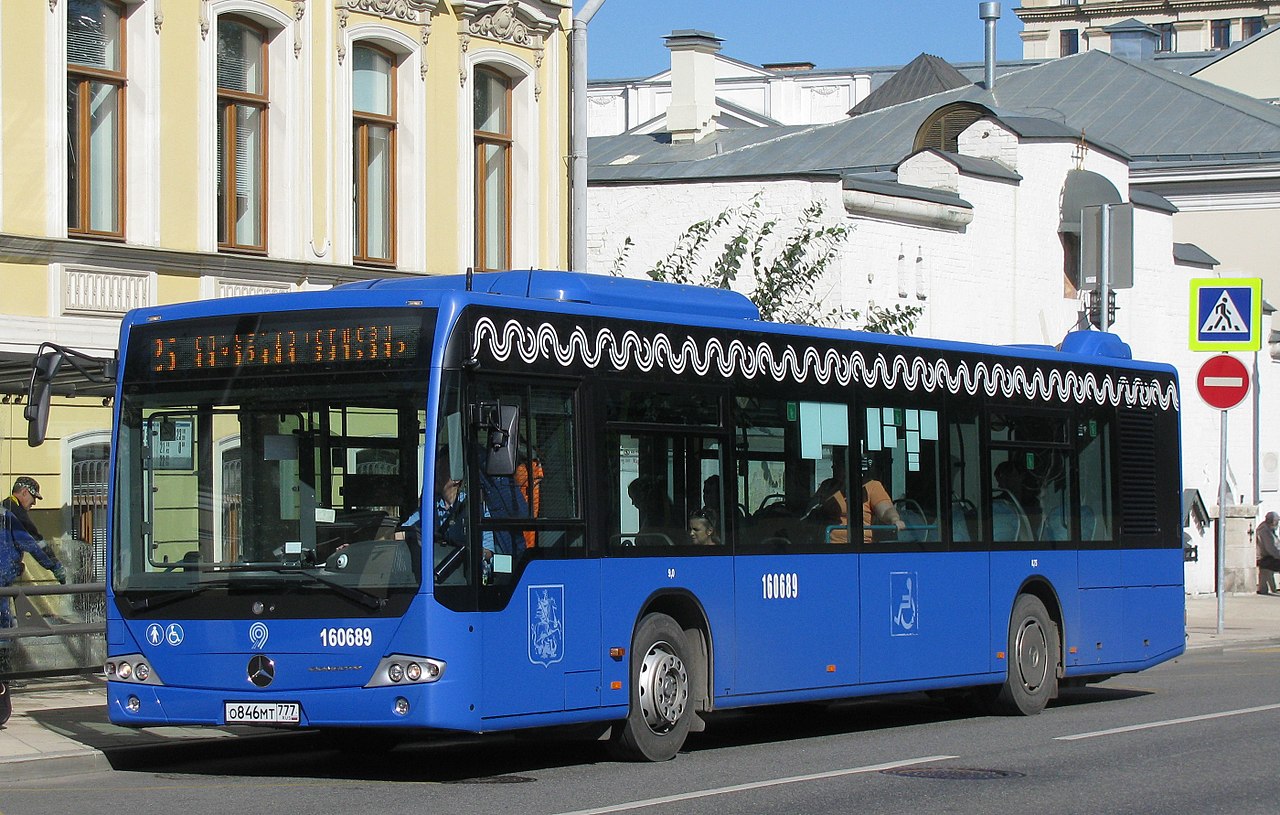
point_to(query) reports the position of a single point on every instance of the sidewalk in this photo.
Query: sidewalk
(59, 726)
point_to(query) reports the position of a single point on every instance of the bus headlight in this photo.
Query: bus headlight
(131, 668)
(401, 669)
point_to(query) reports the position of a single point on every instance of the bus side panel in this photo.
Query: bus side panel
(1100, 635)
(797, 621)
(924, 614)
(542, 652)
(1101, 569)
(1154, 567)
(1011, 572)
(628, 583)
(1154, 623)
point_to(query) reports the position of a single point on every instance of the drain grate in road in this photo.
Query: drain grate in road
(952, 773)
(495, 779)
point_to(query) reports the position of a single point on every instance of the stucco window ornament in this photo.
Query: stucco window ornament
(409, 11)
(504, 24)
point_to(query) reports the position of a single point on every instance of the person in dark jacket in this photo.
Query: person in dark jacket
(23, 496)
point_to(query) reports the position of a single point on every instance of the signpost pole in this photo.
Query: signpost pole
(1222, 519)
(1104, 271)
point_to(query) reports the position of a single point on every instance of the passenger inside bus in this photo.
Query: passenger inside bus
(702, 528)
(1010, 521)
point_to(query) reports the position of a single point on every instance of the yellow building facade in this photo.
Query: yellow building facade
(157, 151)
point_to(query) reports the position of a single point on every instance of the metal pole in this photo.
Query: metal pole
(1222, 519)
(578, 136)
(1104, 271)
(1257, 433)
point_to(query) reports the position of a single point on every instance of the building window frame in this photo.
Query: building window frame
(492, 156)
(1168, 41)
(1068, 42)
(1251, 27)
(1219, 35)
(93, 89)
(232, 105)
(366, 124)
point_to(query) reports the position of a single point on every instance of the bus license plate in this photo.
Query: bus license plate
(261, 712)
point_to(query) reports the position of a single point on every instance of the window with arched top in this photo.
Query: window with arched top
(95, 118)
(242, 135)
(491, 125)
(942, 130)
(373, 114)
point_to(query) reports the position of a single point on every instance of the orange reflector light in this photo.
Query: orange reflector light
(831, 669)
(999, 654)
(617, 653)
(615, 686)
(1072, 650)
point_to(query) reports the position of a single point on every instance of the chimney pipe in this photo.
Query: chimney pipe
(989, 13)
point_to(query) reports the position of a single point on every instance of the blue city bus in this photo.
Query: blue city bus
(538, 499)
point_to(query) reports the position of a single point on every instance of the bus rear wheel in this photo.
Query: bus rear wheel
(661, 708)
(1034, 654)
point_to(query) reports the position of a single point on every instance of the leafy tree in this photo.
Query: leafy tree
(785, 279)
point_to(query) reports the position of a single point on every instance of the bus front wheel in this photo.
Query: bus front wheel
(1033, 657)
(661, 708)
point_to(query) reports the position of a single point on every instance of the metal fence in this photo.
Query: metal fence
(56, 631)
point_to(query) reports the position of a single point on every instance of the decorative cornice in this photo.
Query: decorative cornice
(408, 11)
(508, 21)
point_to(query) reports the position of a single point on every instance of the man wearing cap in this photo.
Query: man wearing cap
(25, 493)
(16, 540)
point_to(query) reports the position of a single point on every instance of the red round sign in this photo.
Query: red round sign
(1223, 381)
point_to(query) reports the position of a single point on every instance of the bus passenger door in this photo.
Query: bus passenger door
(795, 574)
(539, 592)
(925, 588)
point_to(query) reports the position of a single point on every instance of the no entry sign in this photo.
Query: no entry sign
(1223, 382)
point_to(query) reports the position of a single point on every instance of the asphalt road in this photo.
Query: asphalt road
(1198, 735)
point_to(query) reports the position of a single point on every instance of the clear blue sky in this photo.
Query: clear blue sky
(625, 36)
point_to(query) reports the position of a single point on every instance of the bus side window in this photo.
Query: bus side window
(1093, 443)
(901, 477)
(967, 503)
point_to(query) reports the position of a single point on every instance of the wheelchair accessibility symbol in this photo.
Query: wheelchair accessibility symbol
(904, 607)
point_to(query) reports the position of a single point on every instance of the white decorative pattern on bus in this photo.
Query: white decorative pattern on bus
(826, 366)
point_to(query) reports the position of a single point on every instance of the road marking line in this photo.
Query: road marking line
(755, 785)
(1185, 720)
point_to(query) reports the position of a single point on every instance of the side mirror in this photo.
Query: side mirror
(38, 392)
(500, 423)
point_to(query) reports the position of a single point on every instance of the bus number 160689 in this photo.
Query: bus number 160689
(346, 637)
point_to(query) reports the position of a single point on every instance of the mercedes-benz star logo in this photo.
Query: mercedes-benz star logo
(262, 669)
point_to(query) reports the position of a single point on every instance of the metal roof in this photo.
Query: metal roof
(923, 76)
(1154, 116)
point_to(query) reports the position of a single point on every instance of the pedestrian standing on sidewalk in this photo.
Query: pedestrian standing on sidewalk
(23, 496)
(1266, 539)
(14, 541)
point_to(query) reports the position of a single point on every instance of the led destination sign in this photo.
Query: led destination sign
(318, 341)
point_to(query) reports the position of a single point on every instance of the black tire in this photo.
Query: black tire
(661, 693)
(1033, 657)
(6, 703)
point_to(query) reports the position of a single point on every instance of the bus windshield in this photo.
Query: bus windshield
(296, 483)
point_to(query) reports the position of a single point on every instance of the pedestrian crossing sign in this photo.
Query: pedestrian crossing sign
(1226, 314)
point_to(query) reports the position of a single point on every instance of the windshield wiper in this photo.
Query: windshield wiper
(364, 598)
(164, 599)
